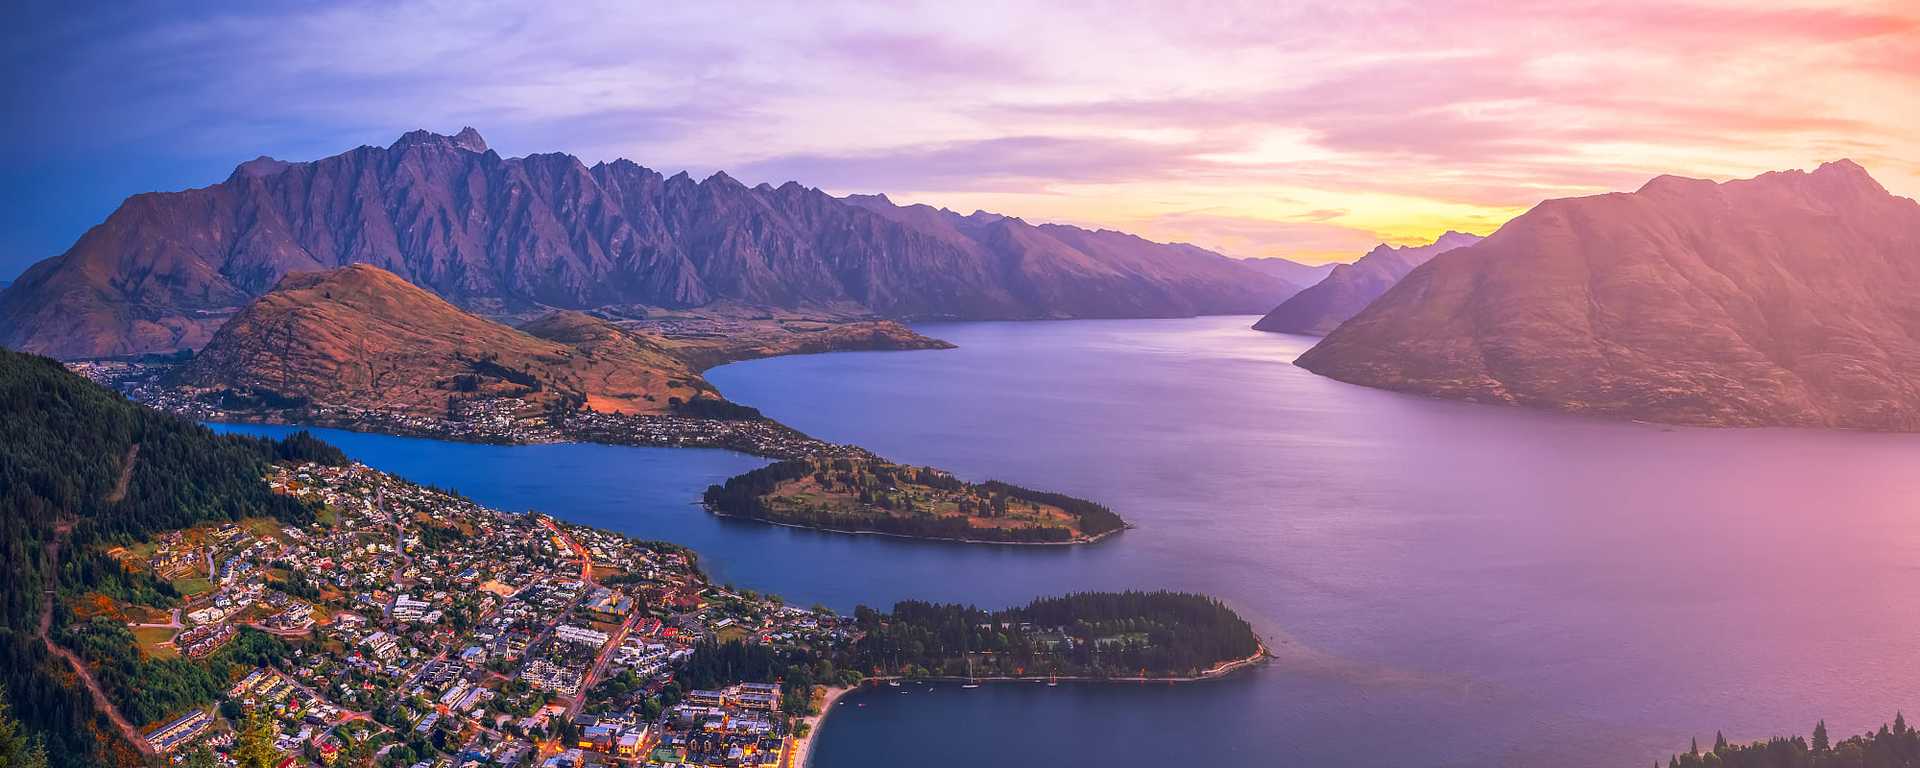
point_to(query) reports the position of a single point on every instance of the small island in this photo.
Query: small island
(870, 495)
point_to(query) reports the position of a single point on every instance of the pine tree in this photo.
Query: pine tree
(1899, 724)
(1719, 743)
(201, 756)
(1820, 743)
(17, 750)
(254, 749)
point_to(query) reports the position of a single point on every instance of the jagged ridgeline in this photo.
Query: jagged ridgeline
(872, 495)
(82, 467)
(498, 235)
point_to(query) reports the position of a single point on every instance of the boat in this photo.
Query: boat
(1052, 682)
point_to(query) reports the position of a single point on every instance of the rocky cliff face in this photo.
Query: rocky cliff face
(364, 337)
(514, 235)
(1349, 288)
(1787, 299)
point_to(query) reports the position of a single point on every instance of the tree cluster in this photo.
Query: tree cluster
(62, 456)
(1102, 634)
(1893, 746)
(875, 483)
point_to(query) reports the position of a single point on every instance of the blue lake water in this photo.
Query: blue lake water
(1445, 584)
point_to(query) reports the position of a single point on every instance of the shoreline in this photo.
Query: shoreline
(803, 749)
(1220, 670)
(946, 539)
(278, 419)
(238, 419)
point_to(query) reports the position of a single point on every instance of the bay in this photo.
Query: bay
(1445, 584)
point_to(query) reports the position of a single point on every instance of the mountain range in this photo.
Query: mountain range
(1785, 299)
(518, 236)
(1349, 288)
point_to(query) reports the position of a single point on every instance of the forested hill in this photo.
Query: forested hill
(1087, 634)
(66, 489)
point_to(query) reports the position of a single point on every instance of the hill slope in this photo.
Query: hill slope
(1349, 288)
(84, 467)
(511, 235)
(1297, 275)
(361, 336)
(1787, 299)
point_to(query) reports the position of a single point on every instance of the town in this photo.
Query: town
(504, 420)
(449, 634)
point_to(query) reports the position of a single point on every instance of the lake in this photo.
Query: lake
(1445, 584)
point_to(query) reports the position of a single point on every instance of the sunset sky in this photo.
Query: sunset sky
(1303, 130)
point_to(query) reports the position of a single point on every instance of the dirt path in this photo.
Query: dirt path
(126, 475)
(100, 701)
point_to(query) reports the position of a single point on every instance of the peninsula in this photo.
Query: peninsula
(307, 606)
(360, 348)
(868, 495)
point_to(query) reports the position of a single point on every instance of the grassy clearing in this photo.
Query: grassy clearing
(155, 642)
(192, 585)
(262, 527)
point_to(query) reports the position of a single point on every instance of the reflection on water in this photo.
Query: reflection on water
(1446, 584)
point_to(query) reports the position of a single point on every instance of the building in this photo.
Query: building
(609, 605)
(181, 730)
(580, 635)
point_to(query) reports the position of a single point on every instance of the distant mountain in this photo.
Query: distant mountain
(1349, 288)
(1295, 273)
(364, 337)
(1787, 299)
(1058, 271)
(501, 235)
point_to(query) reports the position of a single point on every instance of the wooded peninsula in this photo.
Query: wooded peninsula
(869, 495)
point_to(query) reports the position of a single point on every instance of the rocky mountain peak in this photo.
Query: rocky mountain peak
(260, 167)
(544, 231)
(467, 139)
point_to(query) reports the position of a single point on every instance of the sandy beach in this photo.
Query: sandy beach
(803, 748)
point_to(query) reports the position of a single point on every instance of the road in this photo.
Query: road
(80, 670)
(399, 538)
(600, 664)
(173, 622)
(586, 558)
(613, 641)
